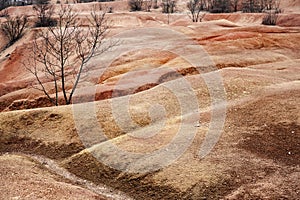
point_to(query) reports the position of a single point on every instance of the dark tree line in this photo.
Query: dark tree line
(4, 4)
(225, 6)
(270, 7)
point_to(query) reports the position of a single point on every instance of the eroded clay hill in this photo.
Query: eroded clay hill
(227, 83)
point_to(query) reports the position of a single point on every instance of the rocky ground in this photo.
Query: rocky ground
(172, 94)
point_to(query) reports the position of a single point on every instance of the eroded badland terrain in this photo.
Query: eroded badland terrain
(243, 77)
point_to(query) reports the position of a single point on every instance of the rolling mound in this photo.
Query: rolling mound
(227, 46)
(184, 110)
(23, 178)
(260, 142)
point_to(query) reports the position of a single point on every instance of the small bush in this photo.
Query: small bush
(270, 19)
(46, 23)
(110, 9)
(155, 5)
(135, 5)
(44, 13)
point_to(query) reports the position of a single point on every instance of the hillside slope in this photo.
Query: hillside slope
(182, 110)
(257, 155)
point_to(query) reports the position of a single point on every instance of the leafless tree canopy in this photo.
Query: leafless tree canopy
(168, 6)
(62, 52)
(195, 7)
(254, 6)
(13, 28)
(223, 6)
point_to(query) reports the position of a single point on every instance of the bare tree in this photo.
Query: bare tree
(44, 12)
(168, 6)
(195, 7)
(277, 6)
(13, 28)
(60, 53)
(261, 5)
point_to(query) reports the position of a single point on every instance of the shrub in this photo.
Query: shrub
(44, 13)
(135, 5)
(110, 9)
(270, 19)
